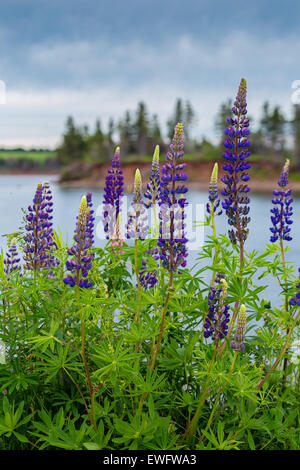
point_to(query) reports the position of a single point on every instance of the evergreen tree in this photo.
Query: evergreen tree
(220, 121)
(74, 145)
(273, 130)
(141, 127)
(126, 133)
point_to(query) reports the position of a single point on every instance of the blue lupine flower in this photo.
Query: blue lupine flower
(236, 166)
(213, 193)
(80, 261)
(282, 210)
(39, 236)
(113, 193)
(217, 319)
(148, 279)
(153, 187)
(12, 260)
(172, 241)
(91, 217)
(295, 301)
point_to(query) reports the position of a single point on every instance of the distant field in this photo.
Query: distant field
(37, 156)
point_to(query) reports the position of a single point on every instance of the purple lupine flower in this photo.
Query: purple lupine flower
(236, 166)
(50, 260)
(148, 279)
(282, 210)
(217, 319)
(113, 193)
(213, 194)
(238, 343)
(172, 241)
(91, 217)
(12, 260)
(38, 239)
(153, 187)
(80, 261)
(136, 226)
(295, 301)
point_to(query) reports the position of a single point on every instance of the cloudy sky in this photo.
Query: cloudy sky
(97, 58)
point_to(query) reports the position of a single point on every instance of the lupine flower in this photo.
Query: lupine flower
(236, 166)
(213, 194)
(172, 241)
(148, 279)
(50, 260)
(217, 319)
(80, 261)
(282, 210)
(91, 217)
(153, 187)
(39, 231)
(113, 193)
(137, 227)
(295, 301)
(12, 260)
(238, 343)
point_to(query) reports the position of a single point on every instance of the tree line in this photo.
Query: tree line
(138, 132)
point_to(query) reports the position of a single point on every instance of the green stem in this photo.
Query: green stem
(85, 363)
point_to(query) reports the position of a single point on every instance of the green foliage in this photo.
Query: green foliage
(77, 371)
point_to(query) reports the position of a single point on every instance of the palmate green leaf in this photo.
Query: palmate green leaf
(99, 439)
(116, 363)
(61, 360)
(141, 332)
(218, 441)
(47, 339)
(11, 419)
(61, 432)
(16, 380)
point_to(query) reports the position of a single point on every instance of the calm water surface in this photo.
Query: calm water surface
(17, 192)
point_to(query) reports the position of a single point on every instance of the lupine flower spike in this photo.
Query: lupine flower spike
(213, 206)
(236, 203)
(172, 241)
(282, 210)
(91, 217)
(47, 195)
(238, 343)
(295, 301)
(81, 260)
(38, 240)
(148, 279)
(153, 187)
(137, 227)
(12, 260)
(217, 319)
(113, 193)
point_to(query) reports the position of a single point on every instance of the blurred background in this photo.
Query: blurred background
(79, 77)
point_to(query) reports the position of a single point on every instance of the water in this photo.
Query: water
(16, 191)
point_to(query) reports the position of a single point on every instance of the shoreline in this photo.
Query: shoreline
(198, 172)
